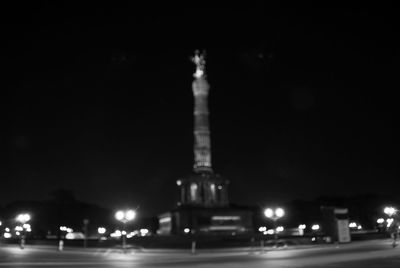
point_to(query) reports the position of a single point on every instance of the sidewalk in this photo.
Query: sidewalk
(166, 251)
(161, 251)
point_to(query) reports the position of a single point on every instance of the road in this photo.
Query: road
(368, 254)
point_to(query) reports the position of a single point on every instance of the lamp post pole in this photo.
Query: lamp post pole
(125, 217)
(101, 231)
(393, 225)
(23, 218)
(275, 232)
(274, 215)
(124, 235)
(85, 230)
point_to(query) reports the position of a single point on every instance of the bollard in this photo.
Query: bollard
(60, 245)
(193, 247)
(262, 245)
(252, 247)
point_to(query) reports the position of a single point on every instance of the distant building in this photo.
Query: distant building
(204, 201)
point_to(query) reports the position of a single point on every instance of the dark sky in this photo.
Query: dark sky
(97, 99)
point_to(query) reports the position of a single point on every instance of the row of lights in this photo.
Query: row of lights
(122, 215)
(66, 229)
(19, 230)
(119, 233)
(354, 225)
(129, 215)
(263, 229)
(277, 213)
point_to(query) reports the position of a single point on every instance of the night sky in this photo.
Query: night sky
(97, 99)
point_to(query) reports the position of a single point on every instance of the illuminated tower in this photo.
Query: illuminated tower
(203, 188)
(202, 146)
(204, 206)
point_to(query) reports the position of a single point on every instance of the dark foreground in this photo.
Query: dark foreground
(375, 253)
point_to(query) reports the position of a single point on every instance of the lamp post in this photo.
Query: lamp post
(101, 231)
(380, 224)
(390, 211)
(392, 224)
(125, 216)
(274, 215)
(23, 219)
(85, 230)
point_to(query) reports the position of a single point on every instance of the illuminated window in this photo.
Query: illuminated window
(213, 193)
(166, 219)
(193, 191)
(225, 218)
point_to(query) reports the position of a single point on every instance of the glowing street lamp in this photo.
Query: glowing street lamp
(390, 211)
(101, 231)
(125, 216)
(23, 219)
(301, 228)
(315, 227)
(274, 215)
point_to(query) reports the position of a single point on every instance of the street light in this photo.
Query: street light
(301, 228)
(125, 216)
(274, 215)
(23, 219)
(315, 227)
(101, 230)
(394, 233)
(390, 211)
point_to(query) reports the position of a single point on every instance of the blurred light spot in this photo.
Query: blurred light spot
(144, 232)
(353, 225)
(262, 229)
(302, 226)
(315, 227)
(270, 232)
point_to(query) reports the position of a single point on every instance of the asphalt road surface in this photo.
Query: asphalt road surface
(367, 254)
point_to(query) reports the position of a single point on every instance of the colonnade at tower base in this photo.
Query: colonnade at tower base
(206, 220)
